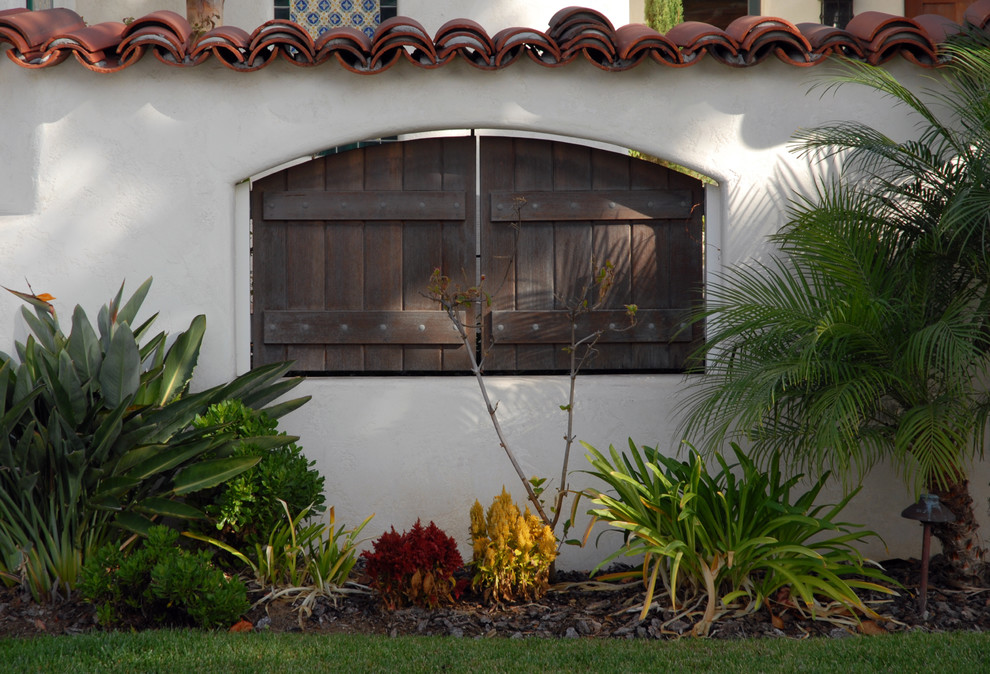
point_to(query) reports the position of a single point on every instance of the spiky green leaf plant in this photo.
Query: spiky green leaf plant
(99, 434)
(734, 539)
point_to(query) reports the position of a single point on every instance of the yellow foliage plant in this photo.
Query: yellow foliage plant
(513, 551)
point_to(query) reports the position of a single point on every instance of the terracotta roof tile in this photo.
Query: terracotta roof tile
(759, 36)
(636, 41)
(44, 38)
(510, 43)
(827, 40)
(465, 38)
(978, 14)
(695, 39)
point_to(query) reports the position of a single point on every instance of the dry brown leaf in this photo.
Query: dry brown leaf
(871, 628)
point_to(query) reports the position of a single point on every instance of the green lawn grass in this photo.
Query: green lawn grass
(201, 652)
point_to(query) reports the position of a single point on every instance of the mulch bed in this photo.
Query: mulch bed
(574, 608)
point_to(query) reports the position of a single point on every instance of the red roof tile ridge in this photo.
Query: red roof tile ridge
(760, 36)
(93, 46)
(511, 43)
(636, 41)
(828, 40)
(468, 39)
(27, 31)
(402, 36)
(43, 38)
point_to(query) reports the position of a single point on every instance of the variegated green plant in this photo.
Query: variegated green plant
(98, 434)
(735, 537)
(301, 559)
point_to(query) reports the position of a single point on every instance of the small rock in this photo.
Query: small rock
(456, 632)
(839, 633)
(571, 633)
(516, 635)
(588, 627)
(263, 623)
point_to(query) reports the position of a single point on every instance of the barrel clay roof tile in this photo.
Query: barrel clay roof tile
(45, 38)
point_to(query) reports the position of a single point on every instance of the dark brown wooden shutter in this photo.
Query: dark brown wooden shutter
(344, 247)
(552, 209)
(343, 251)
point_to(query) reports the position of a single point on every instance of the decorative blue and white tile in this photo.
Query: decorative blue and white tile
(319, 16)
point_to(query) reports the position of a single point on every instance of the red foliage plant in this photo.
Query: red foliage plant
(416, 566)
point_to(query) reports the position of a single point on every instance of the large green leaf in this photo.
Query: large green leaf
(120, 373)
(128, 312)
(113, 487)
(181, 361)
(43, 330)
(70, 394)
(84, 347)
(206, 474)
(131, 521)
(166, 458)
(163, 507)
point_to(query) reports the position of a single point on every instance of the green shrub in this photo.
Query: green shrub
(163, 583)
(98, 434)
(730, 537)
(309, 560)
(513, 551)
(247, 508)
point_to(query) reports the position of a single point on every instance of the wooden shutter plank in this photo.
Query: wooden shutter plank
(553, 327)
(498, 248)
(267, 272)
(688, 267)
(612, 243)
(371, 205)
(570, 258)
(421, 243)
(606, 205)
(459, 238)
(345, 258)
(305, 262)
(383, 252)
(534, 166)
(360, 327)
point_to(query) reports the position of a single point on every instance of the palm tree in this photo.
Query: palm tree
(867, 337)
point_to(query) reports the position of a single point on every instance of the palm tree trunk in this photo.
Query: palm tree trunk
(960, 541)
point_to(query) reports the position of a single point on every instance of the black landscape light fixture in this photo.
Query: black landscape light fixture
(836, 12)
(928, 510)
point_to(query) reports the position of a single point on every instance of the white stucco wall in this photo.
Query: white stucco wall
(141, 173)
(247, 14)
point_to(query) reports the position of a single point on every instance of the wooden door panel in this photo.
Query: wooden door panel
(950, 9)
